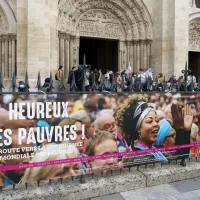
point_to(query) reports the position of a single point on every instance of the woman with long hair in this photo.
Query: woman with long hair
(63, 151)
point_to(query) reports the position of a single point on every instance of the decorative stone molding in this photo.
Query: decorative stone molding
(122, 20)
(3, 23)
(99, 23)
(8, 37)
(8, 20)
(8, 54)
(131, 14)
(194, 35)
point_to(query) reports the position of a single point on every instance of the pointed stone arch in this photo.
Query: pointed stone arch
(8, 18)
(128, 21)
(8, 31)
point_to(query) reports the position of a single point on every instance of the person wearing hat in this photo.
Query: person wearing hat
(140, 124)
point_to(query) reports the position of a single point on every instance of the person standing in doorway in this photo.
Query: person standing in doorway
(59, 74)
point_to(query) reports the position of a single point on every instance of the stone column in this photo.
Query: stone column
(6, 58)
(134, 56)
(120, 56)
(123, 56)
(10, 58)
(142, 54)
(71, 44)
(3, 57)
(131, 54)
(138, 57)
(62, 49)
(13, 54)
(76, 52)
(145, 55)
(128, 51)
(148, 54)
(67, 56)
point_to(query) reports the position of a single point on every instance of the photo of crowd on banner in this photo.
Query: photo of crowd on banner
(112, 124)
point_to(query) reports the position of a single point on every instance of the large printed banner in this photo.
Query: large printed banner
(46, 137)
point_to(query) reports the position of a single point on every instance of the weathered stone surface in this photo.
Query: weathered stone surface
(172, 173)
(100, 186)
(72, 190)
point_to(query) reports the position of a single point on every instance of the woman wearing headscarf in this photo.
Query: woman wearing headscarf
(166, 135)
(166, 138)
(140, 124)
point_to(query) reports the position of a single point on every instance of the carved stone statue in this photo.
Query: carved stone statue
(194, 35)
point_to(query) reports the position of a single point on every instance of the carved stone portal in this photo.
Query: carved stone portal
(194, 35)
(99, 24)
(3, 23)
(7, 48)
(127, 21)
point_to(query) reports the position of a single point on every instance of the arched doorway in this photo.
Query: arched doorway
(8, 39)
(100, 53)
(194, 46)
(125, 24)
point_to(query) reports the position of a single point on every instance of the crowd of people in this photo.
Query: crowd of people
(126, 80)
(113, 123)
(93, 80)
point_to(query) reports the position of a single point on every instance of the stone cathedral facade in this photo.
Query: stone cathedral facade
(41, 35)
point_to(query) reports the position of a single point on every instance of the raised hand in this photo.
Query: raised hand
(188, 117)
(182, 117)
(177, 116)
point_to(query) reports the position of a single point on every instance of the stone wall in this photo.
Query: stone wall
(22, 27)
(156, 12)
(100, 186)
(181, 35)
(37, 38)
(170, 40)
(13, 5)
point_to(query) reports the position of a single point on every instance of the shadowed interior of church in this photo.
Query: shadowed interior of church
(100, 54)
(194, 63)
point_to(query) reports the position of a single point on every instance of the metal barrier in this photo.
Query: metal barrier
(139, 84)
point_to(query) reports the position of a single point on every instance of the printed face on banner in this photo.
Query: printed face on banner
(64, 170)
(149, 128)
(51, 137)
(170, 139)
(106, 147)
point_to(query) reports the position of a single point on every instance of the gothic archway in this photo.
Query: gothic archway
(194, 46)
(7, 39)
(128, 21)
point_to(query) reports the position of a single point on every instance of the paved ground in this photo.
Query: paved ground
(182, 190)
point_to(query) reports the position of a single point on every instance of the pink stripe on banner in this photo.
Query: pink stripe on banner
(90, 158)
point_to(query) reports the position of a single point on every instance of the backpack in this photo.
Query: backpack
(56, 77)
